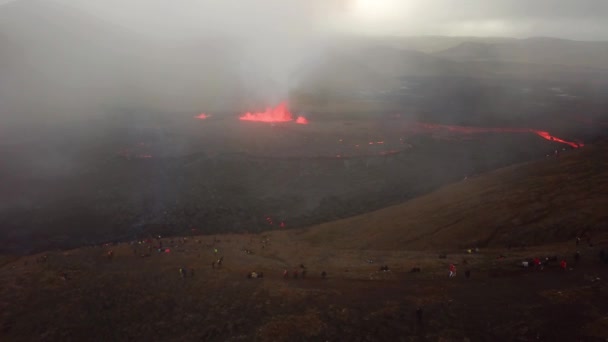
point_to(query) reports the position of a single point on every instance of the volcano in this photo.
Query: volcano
(279, 113)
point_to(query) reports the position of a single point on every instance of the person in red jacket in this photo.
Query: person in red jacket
(563, 264)
(452, 270)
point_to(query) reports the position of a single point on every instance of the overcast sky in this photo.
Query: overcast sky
(574, 19)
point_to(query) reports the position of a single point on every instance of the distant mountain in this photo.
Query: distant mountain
(545, 51)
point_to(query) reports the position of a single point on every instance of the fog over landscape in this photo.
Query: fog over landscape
(98, 102)
(303, 170)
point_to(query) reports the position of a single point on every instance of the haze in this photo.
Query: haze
(230, 54)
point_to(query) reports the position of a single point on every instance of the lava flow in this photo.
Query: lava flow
(278, 114)
(472, 130)
(302, 120)
(202, 116)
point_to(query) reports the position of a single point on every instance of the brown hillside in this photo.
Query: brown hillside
(535, 203)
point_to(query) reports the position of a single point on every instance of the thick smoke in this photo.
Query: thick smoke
(69, 56)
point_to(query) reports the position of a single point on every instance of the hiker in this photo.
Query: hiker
(285, 274)
(419, 315)
(467, 274)
(213, 264)
(182, 272)
(563, 264)
(219, 261)
(537, 264)
(452, 270)
(578, 240)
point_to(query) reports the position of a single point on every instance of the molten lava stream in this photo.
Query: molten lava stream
(472, 130)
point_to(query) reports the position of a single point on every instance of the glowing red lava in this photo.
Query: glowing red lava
(278, 114)
(473, 130)
(202, 116)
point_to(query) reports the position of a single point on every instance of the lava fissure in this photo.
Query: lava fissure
(473, 130)
(277, 114)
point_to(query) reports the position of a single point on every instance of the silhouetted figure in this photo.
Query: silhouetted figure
(323, 275)
(578, 240)
(213, 264)
(303, 273)
(285, 274)
(419, 315)
(192, 272)
(467, 274)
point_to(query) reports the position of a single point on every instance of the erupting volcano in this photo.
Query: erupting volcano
(278, 114)
(472, 130)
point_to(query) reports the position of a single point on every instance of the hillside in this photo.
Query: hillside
(534, 203)
(138, 293)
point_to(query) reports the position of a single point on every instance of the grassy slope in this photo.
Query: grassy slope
(534, 203)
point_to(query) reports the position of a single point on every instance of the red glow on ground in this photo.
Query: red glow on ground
(302, 120)
(474, 130)
(202, 116)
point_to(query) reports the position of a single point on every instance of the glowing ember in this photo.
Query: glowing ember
(302, 120)
(473, 130)
(202, 116)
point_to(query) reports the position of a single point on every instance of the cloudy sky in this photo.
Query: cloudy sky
(574, 19)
